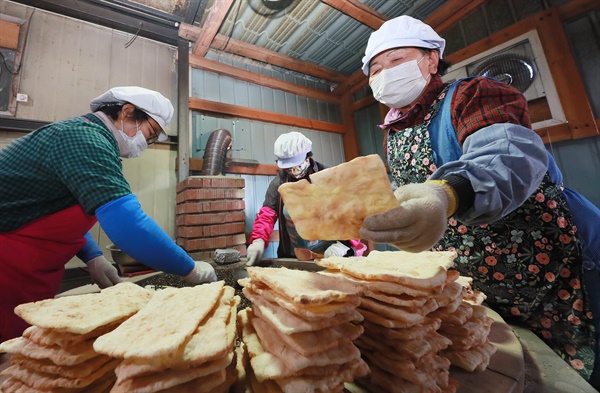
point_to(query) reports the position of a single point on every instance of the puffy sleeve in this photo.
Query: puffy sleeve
(505, 163)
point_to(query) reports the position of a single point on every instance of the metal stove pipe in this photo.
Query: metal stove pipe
(217, 145)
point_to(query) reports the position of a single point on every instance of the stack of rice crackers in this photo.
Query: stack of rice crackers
(183, 340)
(56, 353)
(299, 334)
(391, 321)
(416, 322)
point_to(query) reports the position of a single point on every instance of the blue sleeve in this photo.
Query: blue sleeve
(140, 237)
(90, 250)
(505, 164)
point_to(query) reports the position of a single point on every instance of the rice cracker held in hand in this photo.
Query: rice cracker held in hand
(335, 203)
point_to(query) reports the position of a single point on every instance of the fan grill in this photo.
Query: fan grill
(512, 69)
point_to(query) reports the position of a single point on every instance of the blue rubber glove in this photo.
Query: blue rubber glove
(140, 237)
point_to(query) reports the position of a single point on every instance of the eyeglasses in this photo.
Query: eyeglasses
(153, 138)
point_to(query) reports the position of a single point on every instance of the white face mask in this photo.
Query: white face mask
(399, 86)
(299, 171)
(131, 146)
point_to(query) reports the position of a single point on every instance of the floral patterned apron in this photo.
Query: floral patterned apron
(529, 263)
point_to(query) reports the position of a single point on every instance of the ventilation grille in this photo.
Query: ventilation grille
(512, 69)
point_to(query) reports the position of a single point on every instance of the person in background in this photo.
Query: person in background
(294, 155)
(475, 178)
(59, 180)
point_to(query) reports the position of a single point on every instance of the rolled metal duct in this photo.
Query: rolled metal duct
(217, 145)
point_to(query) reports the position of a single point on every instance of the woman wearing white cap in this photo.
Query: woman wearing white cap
(57, 181)
(475, 178)
(294, 155)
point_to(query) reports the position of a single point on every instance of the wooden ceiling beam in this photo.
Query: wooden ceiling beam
(357, 10)
(576, 8)
(252, 77)
(258, 53)
(211, 26)
(236, 47)
(221, 109)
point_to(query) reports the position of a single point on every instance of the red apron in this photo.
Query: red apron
(32, 262)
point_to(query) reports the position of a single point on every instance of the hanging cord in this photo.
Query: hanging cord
(128, 43)
(234, 19)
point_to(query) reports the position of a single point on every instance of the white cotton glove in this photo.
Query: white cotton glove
(103, 272)
(418, 222)
(203, 272)
(255, 251)
(337, 249)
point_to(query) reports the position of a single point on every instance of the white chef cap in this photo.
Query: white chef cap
(151, 102)
(291, 149)
(401, 32)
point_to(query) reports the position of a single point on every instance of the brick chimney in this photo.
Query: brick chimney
(210, 215)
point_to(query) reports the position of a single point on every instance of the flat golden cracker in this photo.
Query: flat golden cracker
(383, 381)
(289, 323)
(385, 287)
(399, 312)
(102, 385)
(426, 270)
(478, 336)
(390, 322)
(80, 370)
(294, 361)
(166, 321)
(42, 381)
(58, 355)
(210, 383)
(334, 205)
(270, 358)
(403, 300)
(170, 377)
(83, 313)
(458, 316)
(413, 333)
(213, 339)
(316, 313)
(311, 343)
(347, 373)
(404, 350)
(49, 337)
(264, 291)
(308, 288)
(419, 371)
(451, 296)
(474, 359)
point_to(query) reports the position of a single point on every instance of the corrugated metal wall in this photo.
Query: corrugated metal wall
(67, 62)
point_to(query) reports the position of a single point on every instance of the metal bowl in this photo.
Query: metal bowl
(120, 257)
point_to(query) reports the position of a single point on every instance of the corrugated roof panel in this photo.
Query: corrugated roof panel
(311, 30)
